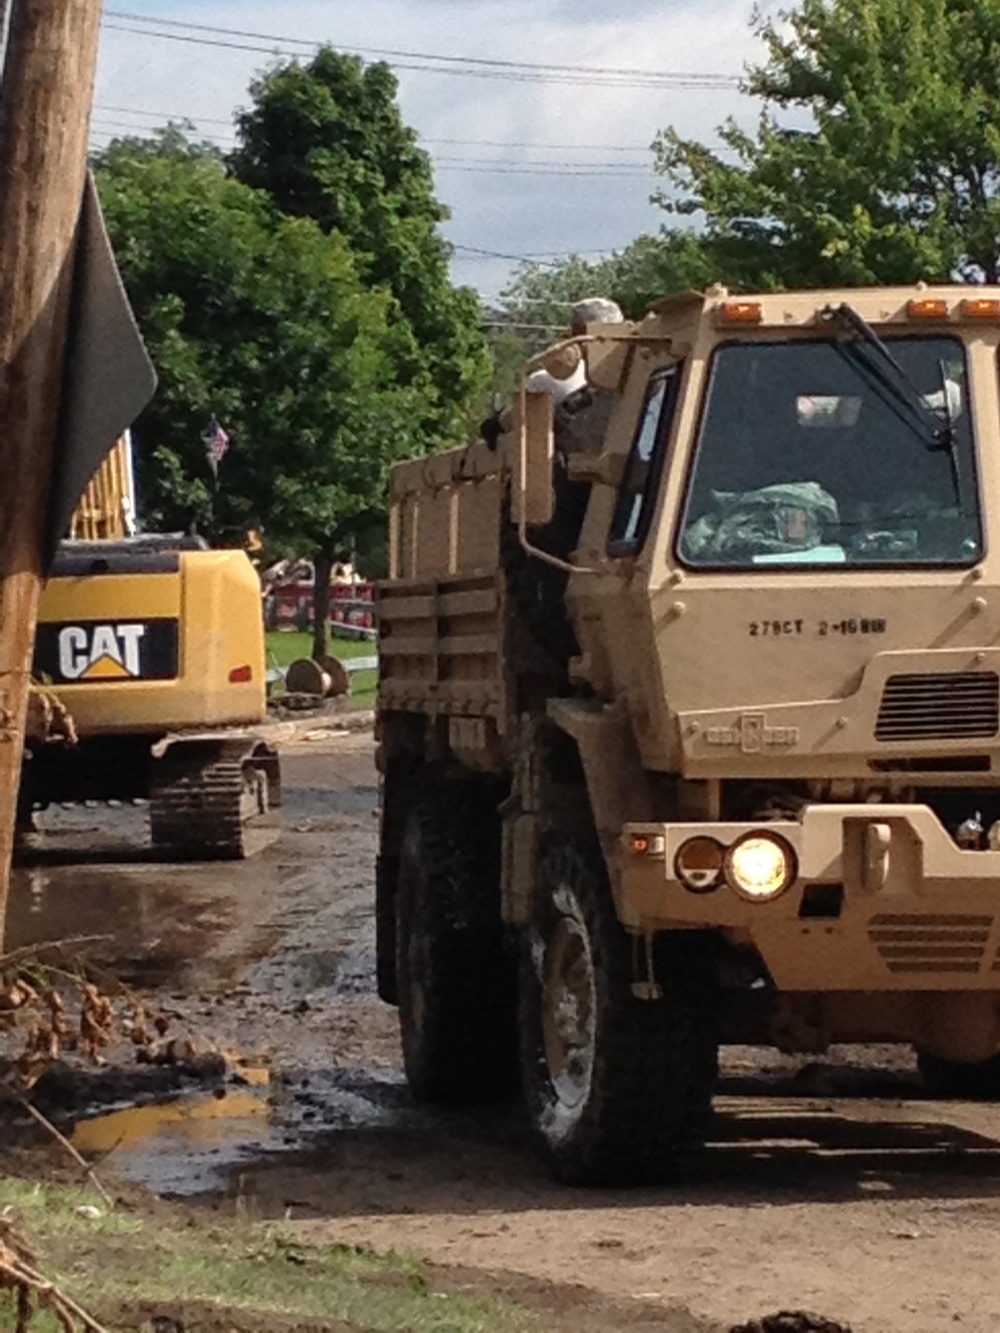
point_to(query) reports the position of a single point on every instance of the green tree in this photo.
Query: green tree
(326, 141)
(259, 320)
(651, 267)
(892, 174)
(508, 352)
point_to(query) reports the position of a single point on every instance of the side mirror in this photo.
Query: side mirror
(533, 498)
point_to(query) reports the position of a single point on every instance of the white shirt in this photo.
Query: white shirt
(542, 382)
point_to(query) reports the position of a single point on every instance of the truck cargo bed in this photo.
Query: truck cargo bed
(441, 649)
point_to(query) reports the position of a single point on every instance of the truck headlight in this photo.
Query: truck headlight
(699, 863)
(760, 866)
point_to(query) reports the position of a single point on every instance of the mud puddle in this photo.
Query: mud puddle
(271, 957)
(199, 1144)
(183, 928)
(350, 1140)
(149, 925)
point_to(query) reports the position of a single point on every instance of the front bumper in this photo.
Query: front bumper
(883, 900)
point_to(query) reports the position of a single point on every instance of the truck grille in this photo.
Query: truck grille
(949, 705)
(926, 944)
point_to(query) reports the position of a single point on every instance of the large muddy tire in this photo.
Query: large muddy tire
(619, 1089)
(456, 982)
(957, 1078)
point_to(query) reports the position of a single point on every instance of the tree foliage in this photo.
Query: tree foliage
(893, 174)
(299, 293)
(327, 142)
(634, 277)
(260, 320)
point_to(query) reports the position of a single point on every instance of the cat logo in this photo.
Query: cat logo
(100, 652)
(89, 652)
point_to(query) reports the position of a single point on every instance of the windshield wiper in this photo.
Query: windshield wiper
(949, 434)
(899, 391)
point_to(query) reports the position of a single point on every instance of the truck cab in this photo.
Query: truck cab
(731, 731)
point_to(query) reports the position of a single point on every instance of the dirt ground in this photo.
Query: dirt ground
(835, 1186)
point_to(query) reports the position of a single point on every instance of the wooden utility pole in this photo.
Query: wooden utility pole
(46, 95)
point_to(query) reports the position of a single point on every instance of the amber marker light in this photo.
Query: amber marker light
(927, 307)
(979, 307)
(699, 864)
(648, 844)
(740, 312)
(760, 866)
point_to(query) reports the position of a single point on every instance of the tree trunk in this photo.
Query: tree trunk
(323, 565)
(45, 101)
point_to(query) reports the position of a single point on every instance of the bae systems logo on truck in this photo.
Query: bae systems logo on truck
(119, 651)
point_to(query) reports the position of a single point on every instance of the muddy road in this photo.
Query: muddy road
(835, 1186)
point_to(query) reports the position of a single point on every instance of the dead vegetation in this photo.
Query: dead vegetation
(32, 1291)
(52, 1011)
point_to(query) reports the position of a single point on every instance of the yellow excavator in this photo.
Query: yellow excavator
(149, 677)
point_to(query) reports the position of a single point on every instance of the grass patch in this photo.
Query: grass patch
(58, 1206)
(285, 646)
(180, 1259)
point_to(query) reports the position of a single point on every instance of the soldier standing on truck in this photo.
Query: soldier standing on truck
(752, 793)
(580, 416)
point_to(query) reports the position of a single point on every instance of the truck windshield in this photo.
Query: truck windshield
(805, 457)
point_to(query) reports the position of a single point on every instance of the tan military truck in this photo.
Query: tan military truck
(689, 719)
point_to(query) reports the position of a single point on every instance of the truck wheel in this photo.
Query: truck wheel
(618, 1089)
(957, 1078)
(456, 982)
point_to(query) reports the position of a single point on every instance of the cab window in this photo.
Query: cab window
(822, 452)
(637, 494)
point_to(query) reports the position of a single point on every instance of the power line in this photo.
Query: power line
(500, 299)
(510, 324)
(475, 250)
(475, 166)
(483, 163)
(547, 147)
(511, 76)
(108, 128)
(663, 77)
(550, 259)
(145, 129)
(542, 166)
(545, 259)
(165, 115)
(540, 170)
(177, 116)
(542, 254)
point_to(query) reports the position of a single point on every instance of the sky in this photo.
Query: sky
(528, 167)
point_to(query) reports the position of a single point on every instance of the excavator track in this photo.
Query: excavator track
(207, 791)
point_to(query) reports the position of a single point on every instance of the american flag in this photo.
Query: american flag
(216, 442)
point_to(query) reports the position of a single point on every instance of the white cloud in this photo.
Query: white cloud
(498, 210)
